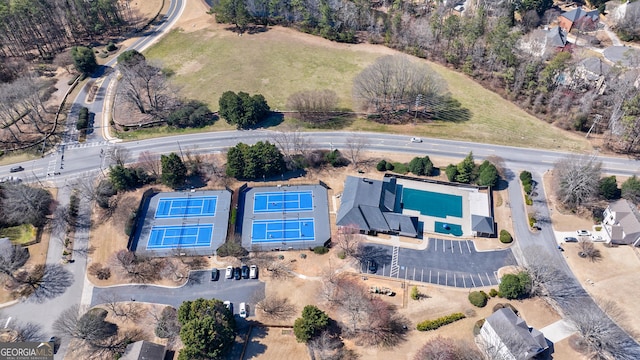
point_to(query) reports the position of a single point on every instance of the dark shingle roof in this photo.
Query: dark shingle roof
(482, 224)
(369, 205)
(144, 350)
(578, 13)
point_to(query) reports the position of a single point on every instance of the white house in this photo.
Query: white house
(621, 223)
(506, 336)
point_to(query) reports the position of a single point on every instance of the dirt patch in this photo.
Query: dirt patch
(274, 343)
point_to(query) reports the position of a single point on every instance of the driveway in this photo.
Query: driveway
(444, 262)
(199, 286)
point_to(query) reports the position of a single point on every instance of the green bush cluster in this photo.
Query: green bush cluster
(111, 46)
(439, 322)
(336, 159)
(242, 110)
(493, 292)
(415, 294)
(421, 166)
(83, 119)
(478, 298)
(320, 250)
(249, 162)
(231, 248)
(527, 182)
(515, 286)
(193, 114)
(505, 237)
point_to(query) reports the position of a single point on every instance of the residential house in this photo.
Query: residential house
(621, 223)
(580, 19)
(371, 205)
(507, 336)
(144, 350)
(545, 42)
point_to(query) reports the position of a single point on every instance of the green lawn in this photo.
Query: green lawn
(19, 234)
(208, 62)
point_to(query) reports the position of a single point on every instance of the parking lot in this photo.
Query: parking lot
(445, 262)
(198, 286)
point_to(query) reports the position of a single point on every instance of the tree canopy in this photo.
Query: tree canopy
(242, 110)
(193, 114)
(174, 171)
(515, 286)
(312, 322)
(631, 189)
(208, 329)
(608, 188)
(576, 180)
(254, 161)
(84, 59)
(421, 166)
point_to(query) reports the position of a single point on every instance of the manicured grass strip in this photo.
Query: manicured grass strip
(20, 234)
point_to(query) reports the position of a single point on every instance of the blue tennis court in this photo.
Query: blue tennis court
(180, 236)
(282, 201)
(287, 230)
(186, 207)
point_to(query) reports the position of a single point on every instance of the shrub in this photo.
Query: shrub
(234, 214)
(342, 255)
(515, 286)
(231, 248)
(505, 237)
(532, 221)
(493, 292)
(451, 171)
(415, 294)
(382, 165)
(400, 168)
(478, 298)
(389, 166)
(526, 177)
(477, 326)
(528, 187)
(111, 46)
(528, 200)
(320, 250)
(439, 322)
(499, 306)
(83, 119)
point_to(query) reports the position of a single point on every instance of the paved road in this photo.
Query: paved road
(444, 262)
(198, 286)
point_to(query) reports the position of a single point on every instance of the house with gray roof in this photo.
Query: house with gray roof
(579, 18)
(373, 207)
(144, 350)
(621, 223)
(507, 336)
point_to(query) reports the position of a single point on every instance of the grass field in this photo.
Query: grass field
(19, 234)
(281, 61)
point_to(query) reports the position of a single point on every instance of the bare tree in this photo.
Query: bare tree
(291, 143)
(315, 106)
(128, 311)
(167, 325)
(150, 163)
(327, 346)
(13, 259)
(82, 324)
(576, 180)
(144, 86)
(588, 250)
(441, 348)
(278, 308)
(45, 282)
(349, 240)
(118, 155)
(101, 272)
(387, 327)
(139, 269)
(279, 270)
(356, 143)
(393, 82)
(21, 204)
(17, 331)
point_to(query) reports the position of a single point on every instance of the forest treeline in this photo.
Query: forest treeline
(30, 28)
(486, 42)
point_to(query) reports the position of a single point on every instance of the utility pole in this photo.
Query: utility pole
(597, 119)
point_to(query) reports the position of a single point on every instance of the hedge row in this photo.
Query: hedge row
(527, 181)
(83, 119)
(439, 322)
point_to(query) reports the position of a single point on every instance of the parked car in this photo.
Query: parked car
(228, 305)
(56, 343)
(16, 169)
(215, 274)
(243, 310)
(595, 237)
(373, 267)
(560, 248)
(253, 272)
(416, 140)
(229, 272)
(245, 272)
(570, 239)
(583, 233)
(236, 273)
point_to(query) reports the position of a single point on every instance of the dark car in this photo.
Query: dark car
(56, 343)
(245, 272)
(16, 169)
(215, 274)
(236, 273)
(373, 267)
(570, 239)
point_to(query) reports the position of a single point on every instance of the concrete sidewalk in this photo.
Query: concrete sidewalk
(558, 331)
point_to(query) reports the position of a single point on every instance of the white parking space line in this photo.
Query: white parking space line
(480, 277)
(472, 281)
(468, 246)
(464, 282)
(436, 242)
(488, 278)
(444, 246)
(446, 278)
(429, 275)
(460, 247)
(495, 275)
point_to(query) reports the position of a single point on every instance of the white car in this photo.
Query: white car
(253, 272)
(228, 305)
(229, 272)
(416, 140)
(243, 310)
(583, 233)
